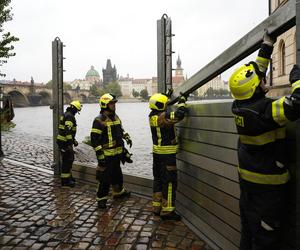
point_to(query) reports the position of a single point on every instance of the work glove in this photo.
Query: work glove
(183, 98)
(128, 139)
(75, 143)
(268, 40)
(126, 156)
(295, 74)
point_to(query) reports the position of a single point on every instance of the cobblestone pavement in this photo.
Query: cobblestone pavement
(36, 213)
(37, 151)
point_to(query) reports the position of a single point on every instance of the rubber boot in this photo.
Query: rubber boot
(67, 182)
(102, 204)
(122, 195)
(171, 216)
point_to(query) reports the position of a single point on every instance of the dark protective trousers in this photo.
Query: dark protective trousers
(262, 216)
(67, 161)
(111, 175)
(165, 176)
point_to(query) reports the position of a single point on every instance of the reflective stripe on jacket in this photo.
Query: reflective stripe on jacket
(107, 135)
(66, 130)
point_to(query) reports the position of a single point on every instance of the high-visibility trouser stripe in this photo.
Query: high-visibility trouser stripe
(156, 204)
(98, 148)
(69, 123)
(96, 131)
(169, 204)
(165, 149)
(118, 193)
(61, 138)
(65, 175)
(267, 179)
(69, 137)
(113, 151)
(264, 138)
(295, 85)
(278, 111)
(61, 126)
(262, 63)
(172, 115)
(102, 198)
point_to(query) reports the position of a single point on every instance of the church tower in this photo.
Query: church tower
(179, 69)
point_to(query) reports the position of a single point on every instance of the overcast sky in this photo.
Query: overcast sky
(125, 32)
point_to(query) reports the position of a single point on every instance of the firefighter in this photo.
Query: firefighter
(107, 136)
(260, 123)
(162, 121)
(65, 141)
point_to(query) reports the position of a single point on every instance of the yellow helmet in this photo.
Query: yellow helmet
(76, 104)
(158, 101)
(106, 99)
(244, 81)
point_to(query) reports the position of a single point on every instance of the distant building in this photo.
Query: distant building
(126, 86)
(283, 57)
(93, 76)
(178, 79)
(216, 83)
(140, 84)
(109, 73)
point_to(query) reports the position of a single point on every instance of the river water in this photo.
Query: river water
(37, 122)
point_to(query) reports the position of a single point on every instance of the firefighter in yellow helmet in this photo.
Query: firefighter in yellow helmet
(65, 141)
(162, 121)
(260, 123)
(107, 136)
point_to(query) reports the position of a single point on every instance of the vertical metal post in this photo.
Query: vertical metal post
(298, 133)
(1, 117)
(161, 66)
(164, 53)
(169, 52)
(57, 97)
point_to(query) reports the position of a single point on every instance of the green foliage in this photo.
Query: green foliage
(135, 93)
(114, 88)
(96, 90)
(49, 85)
(67, 86)
(144, 94)
(6, 38)
(6, 126)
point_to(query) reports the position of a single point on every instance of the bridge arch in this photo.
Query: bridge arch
(46, 98)
(18, 99)
(83, 98)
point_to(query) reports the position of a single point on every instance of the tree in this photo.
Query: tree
(49, 85)
(135, 93)
(144, 94)
(5, 47)
(96, 90)
(114, 88)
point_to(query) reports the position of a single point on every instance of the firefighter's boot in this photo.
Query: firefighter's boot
(102, 204)
(171, 216)
(122, 194)
(67, 182)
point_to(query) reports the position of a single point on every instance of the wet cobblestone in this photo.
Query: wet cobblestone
(37, 151)
(36, 213)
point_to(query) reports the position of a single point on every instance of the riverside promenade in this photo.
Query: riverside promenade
(36, 213)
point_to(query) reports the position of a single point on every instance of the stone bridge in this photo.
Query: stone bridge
(33, 95)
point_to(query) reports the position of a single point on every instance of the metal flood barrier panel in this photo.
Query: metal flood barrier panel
(208, 187)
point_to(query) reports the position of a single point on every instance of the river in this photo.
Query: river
(37, 122)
